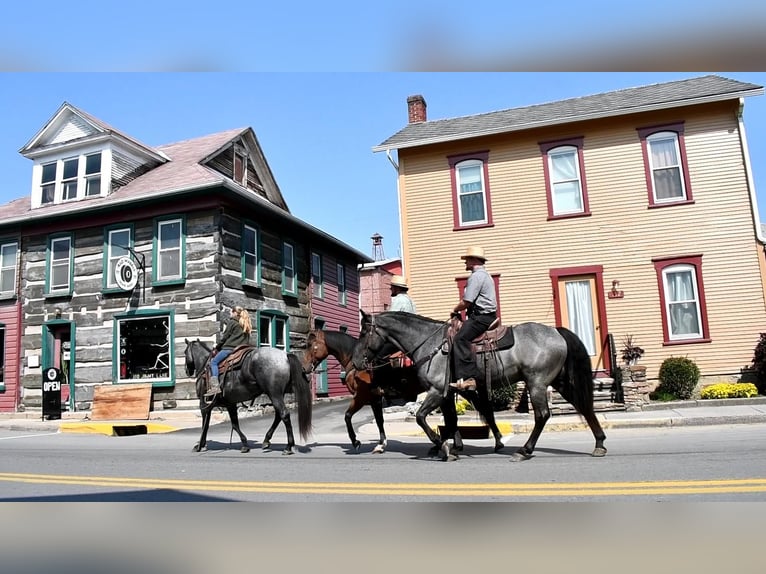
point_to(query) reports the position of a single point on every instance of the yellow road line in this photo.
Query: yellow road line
(412, 489)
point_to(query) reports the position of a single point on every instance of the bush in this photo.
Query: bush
(678, 376)
(502, 396)
(462, 405)
(729, 391)
(759, 364)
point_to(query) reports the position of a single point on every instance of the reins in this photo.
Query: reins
(401, 349)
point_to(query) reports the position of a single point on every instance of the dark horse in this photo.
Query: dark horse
(262, 370)
(320, 344)
(541, 356)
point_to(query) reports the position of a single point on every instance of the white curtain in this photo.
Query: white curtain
(580, 306)
(566, 182)
(667, 172)
(682, 303)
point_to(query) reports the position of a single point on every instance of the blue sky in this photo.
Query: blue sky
(316, 129)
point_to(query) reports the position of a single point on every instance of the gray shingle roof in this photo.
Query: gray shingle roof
(698, 90)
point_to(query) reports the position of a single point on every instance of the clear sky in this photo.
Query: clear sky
(316, 129)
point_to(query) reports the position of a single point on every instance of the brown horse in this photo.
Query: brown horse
(365, 389)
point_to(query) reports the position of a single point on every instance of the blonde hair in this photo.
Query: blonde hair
(244, 319)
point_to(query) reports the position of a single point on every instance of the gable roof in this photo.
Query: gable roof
(704, 89)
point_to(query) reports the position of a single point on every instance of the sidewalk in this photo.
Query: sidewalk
(402, 423)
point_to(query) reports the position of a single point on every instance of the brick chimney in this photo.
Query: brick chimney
(416, 106)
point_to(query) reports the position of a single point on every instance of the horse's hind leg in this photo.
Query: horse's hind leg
(281, 413)
(590, 417)
(539, 398)
(234, 418)
(484, 407)
(270, 432)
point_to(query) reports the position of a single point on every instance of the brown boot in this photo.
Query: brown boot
(464, 385)
(214, 387)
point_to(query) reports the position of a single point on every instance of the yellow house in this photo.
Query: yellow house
(630, 212)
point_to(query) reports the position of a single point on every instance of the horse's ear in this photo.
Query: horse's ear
(186, 341)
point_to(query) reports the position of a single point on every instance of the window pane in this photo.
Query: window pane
(250, 250)
(264, 331)
(70, 190)
(472, 207)
(70, 168)
(667, 184)
(93, 164)
(471, 191)
(93, 186)
(59, 276)
(170, 235)
(49, 173)
(567, 197)
(470, 178)
(48, 193)
(683, 305)
(279, 332)
(170, 264)
(144, 348)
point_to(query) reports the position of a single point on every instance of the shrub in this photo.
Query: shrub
(678, 376)
(462, 405)
(759, 364)
(729, 391)
(502, 396)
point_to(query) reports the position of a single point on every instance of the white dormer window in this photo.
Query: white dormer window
(71, 178)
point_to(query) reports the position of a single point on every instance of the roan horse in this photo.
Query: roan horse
(262, 370)
(541, 356)
(320, 344)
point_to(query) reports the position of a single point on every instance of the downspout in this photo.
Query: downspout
(399, 208)
(749, 173)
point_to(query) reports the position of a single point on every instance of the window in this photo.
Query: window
(683, 299)
(8, 253)
(316, 275)
(289, 286)
(69, 183)
(240, 167)
(564, 170)
(342, 296)
(59, 265)
(93, 174)
(272, 330)
(145, 350)
(169, 255)
(251, 260)
(48, 183)
(667, 173)
(470, 190)
(117, 241)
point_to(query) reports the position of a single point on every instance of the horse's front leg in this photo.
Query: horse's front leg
(484, 406)
(234, 418)
(353, 407)
(376, 404)
(432, 400)
(206, 411)
(449, 413)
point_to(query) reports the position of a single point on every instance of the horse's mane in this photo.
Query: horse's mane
(405, 316)
(204, 345)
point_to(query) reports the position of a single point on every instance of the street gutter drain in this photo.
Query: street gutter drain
(128, 430)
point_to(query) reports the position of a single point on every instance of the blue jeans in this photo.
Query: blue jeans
(215, 361)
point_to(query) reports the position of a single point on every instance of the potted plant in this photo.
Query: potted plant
(631, 352)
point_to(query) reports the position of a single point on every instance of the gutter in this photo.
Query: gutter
(749, 173)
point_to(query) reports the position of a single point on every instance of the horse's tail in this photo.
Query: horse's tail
(302, 388)
(576, 377)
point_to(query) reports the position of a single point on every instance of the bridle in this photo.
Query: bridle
(387, 338)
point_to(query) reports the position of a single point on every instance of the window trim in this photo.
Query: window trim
(88, 177)
(247, 281)
(340, 271)
(545, 149)
(105, 287)
(644, 133)
(319, 293)
(286, 245)
(454, 160)
(144, 314)
(274, 316)
(63, 292)
(695, 261)
(10, 294)
(158, 222)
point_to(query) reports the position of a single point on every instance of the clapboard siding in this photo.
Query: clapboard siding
(621, 234)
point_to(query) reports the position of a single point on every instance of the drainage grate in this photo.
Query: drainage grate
(128, 430)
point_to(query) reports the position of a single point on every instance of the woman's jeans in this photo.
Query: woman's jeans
(215, 361)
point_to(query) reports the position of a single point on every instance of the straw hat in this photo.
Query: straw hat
(399, 281)
(476, 252)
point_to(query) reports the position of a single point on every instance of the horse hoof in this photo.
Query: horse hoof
(379, 449)
(357, 445)
(266, 446)
(287, 451)
(600, 451)
(244, 449)
(434, 451)
(445, 450)
(519, 456)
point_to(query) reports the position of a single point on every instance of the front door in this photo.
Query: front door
(58, 352)
(579, 304)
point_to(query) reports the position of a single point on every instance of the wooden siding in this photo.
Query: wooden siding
(335, 315)
(224, 163)
(9, 321)
(621, 234)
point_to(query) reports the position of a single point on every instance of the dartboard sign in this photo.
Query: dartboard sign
(125, 273)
